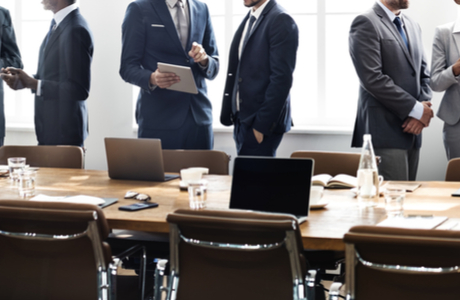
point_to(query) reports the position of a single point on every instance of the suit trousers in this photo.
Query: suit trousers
(451, 137)
(188, 136)
(246, 143)
(398, 164)
(1, 141)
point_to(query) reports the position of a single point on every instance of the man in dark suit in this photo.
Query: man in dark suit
(256, 97)
(62, 82)
(9, 57)
(176, 32)
(387, 52)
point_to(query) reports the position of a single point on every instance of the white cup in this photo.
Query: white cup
(316, 193)
(191, 175)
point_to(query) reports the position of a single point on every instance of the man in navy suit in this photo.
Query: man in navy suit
(176, 32)
(262, 59)
(62, 82)
(9, 57)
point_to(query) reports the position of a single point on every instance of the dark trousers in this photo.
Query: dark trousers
(246, 143)
(188, 136)
(1, 141)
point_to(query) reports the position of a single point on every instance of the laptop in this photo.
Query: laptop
(276, 185)
(135, 159)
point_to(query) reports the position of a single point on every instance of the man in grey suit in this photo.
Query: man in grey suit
(9, 57)
(445, 76)
(386, 49)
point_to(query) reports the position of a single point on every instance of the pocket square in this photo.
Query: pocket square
(158, 25)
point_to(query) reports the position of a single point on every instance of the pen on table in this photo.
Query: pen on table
(419, 216)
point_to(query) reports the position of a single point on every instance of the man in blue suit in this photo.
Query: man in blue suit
(9, 57)
(62, 82)
(262, 59)
(176, 32)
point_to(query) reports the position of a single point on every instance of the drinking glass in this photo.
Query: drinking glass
(15, 165)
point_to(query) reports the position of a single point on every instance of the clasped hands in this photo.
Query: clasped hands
(17, 79)
(165, 80)
(415, 126)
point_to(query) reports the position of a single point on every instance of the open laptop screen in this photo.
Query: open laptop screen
(280, 185)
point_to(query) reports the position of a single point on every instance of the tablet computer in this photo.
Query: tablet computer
(187, 82)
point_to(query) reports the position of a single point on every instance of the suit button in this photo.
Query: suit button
(240, 79)
(187, 60)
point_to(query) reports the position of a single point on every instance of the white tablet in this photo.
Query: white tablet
(187, 82)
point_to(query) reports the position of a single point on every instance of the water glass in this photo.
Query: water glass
(394, 201)
(26, 183)
(197, 194)
(15, 165)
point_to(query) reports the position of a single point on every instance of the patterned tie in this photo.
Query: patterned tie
(50, 32)
(182, 26)
(397, 22)
(249, 29)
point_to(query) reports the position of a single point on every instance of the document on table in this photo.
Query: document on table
(413, 222)
(102, 202)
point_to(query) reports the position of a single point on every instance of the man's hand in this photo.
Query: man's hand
(17, 79)
(456, 68)
(413, 126)
(198, 54)
(259, 135)
(163, 80)
(427, 113)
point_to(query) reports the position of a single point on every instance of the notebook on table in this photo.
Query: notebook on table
(268, 184)
(136, 159)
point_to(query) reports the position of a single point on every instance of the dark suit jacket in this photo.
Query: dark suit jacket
(149, 37)
(392, 78)
(9, 56)
(64, 67)
(264, 72)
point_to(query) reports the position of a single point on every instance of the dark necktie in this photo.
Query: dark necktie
(50, 32)
(249, 29)
(397, 22)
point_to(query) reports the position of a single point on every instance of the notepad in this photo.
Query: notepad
(413, 222)
(102, 202)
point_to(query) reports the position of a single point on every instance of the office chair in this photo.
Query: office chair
(395, 263)
(46, 156)
(453, 170)
(55, 250)
(233, 254)
(333, 163)
(216, 161)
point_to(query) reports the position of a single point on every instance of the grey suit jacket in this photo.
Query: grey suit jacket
(446, 51)
(392, 78)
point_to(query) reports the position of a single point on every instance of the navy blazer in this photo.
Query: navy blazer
(64, 67)
(149, 37)
(264, 72)
(9, 56)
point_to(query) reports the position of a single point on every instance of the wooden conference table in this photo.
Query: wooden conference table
(323, 230)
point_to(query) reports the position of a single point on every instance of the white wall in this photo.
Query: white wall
(110, 105)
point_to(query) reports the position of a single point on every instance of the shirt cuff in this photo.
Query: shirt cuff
(39, 88)
(417, 111)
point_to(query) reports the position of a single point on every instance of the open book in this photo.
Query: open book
(338, 181)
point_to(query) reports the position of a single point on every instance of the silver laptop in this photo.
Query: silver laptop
(277, 185)
(135, 159)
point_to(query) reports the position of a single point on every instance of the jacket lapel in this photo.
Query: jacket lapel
(392, 28)
(58, 31)
(456, 38)
(267, 8)
(163, 13)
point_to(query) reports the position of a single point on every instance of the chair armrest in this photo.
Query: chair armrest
(159, 288)
(117, 261)
(334, 291)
